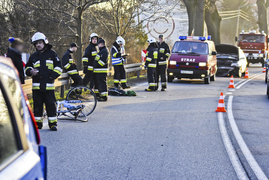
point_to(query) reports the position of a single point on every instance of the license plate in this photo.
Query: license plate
(186, 72)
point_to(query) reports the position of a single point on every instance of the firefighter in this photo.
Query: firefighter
(70, 67)
(118, 61)
(14, 53)
(88, 59)
(163, 55)
(44, 66)
(100, 68)
(151, 64)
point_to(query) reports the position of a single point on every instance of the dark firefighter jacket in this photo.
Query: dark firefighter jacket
(100, 63)
(68, 63)
(164, 53)
(152, 56)
(49, 66)
(89, 56)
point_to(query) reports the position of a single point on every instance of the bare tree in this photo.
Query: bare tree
(262, 14)
(196, 14)
(119, 15)
(213, 20)
(68, 14)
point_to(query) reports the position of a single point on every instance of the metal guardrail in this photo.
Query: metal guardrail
(64, 78)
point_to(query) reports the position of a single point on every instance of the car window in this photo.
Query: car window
(8, 143)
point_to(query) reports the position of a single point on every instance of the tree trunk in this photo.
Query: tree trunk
(195, 10)
(79, 40)
(213, 20)
(262, 16)
(200, 18)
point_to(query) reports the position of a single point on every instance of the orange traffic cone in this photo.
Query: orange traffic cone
(221, 106)
(264, 70)
(231, 85)
(246, 74)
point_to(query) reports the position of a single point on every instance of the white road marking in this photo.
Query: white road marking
(229, 93)
(242, 84)
(244, 148)
(240, 172)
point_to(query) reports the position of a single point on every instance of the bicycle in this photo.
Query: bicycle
(80, 102)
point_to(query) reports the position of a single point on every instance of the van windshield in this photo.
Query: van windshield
(251, 38)
(187, 47)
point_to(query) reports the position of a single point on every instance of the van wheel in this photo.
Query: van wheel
(213, 78)
(170, 78)
(207, 80)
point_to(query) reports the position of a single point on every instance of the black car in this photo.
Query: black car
(231, 60)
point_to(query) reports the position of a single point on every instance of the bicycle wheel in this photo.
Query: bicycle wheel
(86, 97)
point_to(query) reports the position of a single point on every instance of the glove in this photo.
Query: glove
(85, 69)
(145, 67)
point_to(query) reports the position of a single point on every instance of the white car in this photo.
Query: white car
(21, 156)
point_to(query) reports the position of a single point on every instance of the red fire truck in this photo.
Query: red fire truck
(255, 46)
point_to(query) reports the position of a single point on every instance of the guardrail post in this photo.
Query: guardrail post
(138, 74)
(62, 91)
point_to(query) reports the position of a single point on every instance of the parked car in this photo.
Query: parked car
(21, 156)
(231, 60)
(193, 57)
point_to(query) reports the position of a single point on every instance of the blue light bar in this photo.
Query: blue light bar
(182, 37)
(209, 37)
(202, 38)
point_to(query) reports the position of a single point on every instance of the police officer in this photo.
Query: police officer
(151, 64)
(118, 60)
(88, 59)
(100, 68)
(163, 55)
(44, 66)
(69, 65)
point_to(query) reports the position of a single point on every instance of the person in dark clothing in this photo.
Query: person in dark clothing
(151, 64)
(88, 59)
(100, 68)
(44, 66)
(118, 61)
(14, 53)
(163, 55)
(70, 67)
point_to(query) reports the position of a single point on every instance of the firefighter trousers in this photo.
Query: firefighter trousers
(152, 78)
(119, 76)
(88, 78)
(100, 85)
(77, 80)
(48, 98)
(161, 73)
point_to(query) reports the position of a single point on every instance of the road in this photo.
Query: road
(165, 135)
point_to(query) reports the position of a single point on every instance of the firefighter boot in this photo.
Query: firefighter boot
(125, 86)
(102, 98)
(53, 126)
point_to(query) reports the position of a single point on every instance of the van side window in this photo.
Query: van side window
(8, 143)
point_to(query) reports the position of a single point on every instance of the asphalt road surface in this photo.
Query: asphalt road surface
(167, 135)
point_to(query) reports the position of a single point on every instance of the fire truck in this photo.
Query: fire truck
(255, 46)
